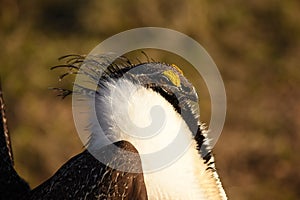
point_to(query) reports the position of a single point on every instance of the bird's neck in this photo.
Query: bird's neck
(144, 118)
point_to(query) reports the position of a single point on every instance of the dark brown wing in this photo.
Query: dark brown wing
(12, 186)
(84, 177)
(6, 151)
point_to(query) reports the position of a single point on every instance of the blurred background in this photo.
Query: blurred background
(255, 44)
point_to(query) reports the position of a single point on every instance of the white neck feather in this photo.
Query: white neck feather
(145, 119)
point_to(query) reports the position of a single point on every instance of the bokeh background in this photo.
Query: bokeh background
(255, 44)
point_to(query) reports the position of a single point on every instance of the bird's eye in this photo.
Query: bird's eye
(164, 80)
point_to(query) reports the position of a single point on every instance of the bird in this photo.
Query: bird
(12, 186)
(127, 98)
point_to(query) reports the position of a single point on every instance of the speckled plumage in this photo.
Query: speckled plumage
(12, 186)
(84, 177)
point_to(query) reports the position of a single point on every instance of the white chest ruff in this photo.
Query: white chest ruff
(145, 119)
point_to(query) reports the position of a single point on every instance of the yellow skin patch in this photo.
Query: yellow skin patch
(177, 68)
(173, 77)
